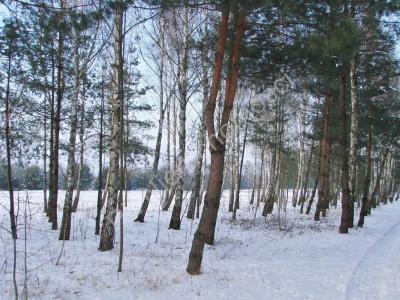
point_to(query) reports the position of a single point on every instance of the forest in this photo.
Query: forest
(202, 149)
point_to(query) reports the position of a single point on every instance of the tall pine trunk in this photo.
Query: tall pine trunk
(347, 213)
(206, 229)
(323, 182)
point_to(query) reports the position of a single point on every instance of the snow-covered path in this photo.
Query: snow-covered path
(377, 275)
(287, 257)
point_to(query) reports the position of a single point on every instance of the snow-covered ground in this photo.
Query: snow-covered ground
(287, 256)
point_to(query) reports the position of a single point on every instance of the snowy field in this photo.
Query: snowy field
(287, 256)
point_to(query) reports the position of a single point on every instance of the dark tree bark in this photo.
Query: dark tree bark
(100, 203)
(45, 155)
(51, 142)
(327, 192)
(347, 214)
(323, 182)
(56, 124)
(206, 230)
(316, 182)
(367, 179)
(302, 199)
(8, 150)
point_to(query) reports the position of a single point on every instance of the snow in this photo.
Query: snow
(287, 256)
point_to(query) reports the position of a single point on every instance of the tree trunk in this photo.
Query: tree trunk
(168, 173)
(254, 179)
(51, 142)
(261, 189)
(327, 192)
(196, 195)
(151, 185)
(108, 228)
(372, 203)
(323, 182)
(316, 182)
(239, 178)
(300, 166)
(100, 176)
(305, 187)
(172, 175)
(271, 182)
(353, 130)
(8, 150)
(56, 124)
(367, 179)
(206, 229)
(45, 156)
(81, 153)
(175, 222)
(232, 156)
(67, 210)
(121, 166)
(202, 188)
(347, 214)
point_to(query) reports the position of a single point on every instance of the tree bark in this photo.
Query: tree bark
(56, 123)
(367, 179)
(305, 187)
(232, 164)
(372, 202)
(323, 182)
(81, 153)
(253, 190)
(347, 214)
(151, 185)
(206, 229)
(67, 210)
(300, 166)
(51, 142)
(108, 228)
(353, 130)
(239, 178)
(100, 203)
(172, 175)
(175, 222)
(45, 155)
(195, 197)
(8, 150)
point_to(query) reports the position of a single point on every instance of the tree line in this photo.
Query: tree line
(291, 95)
